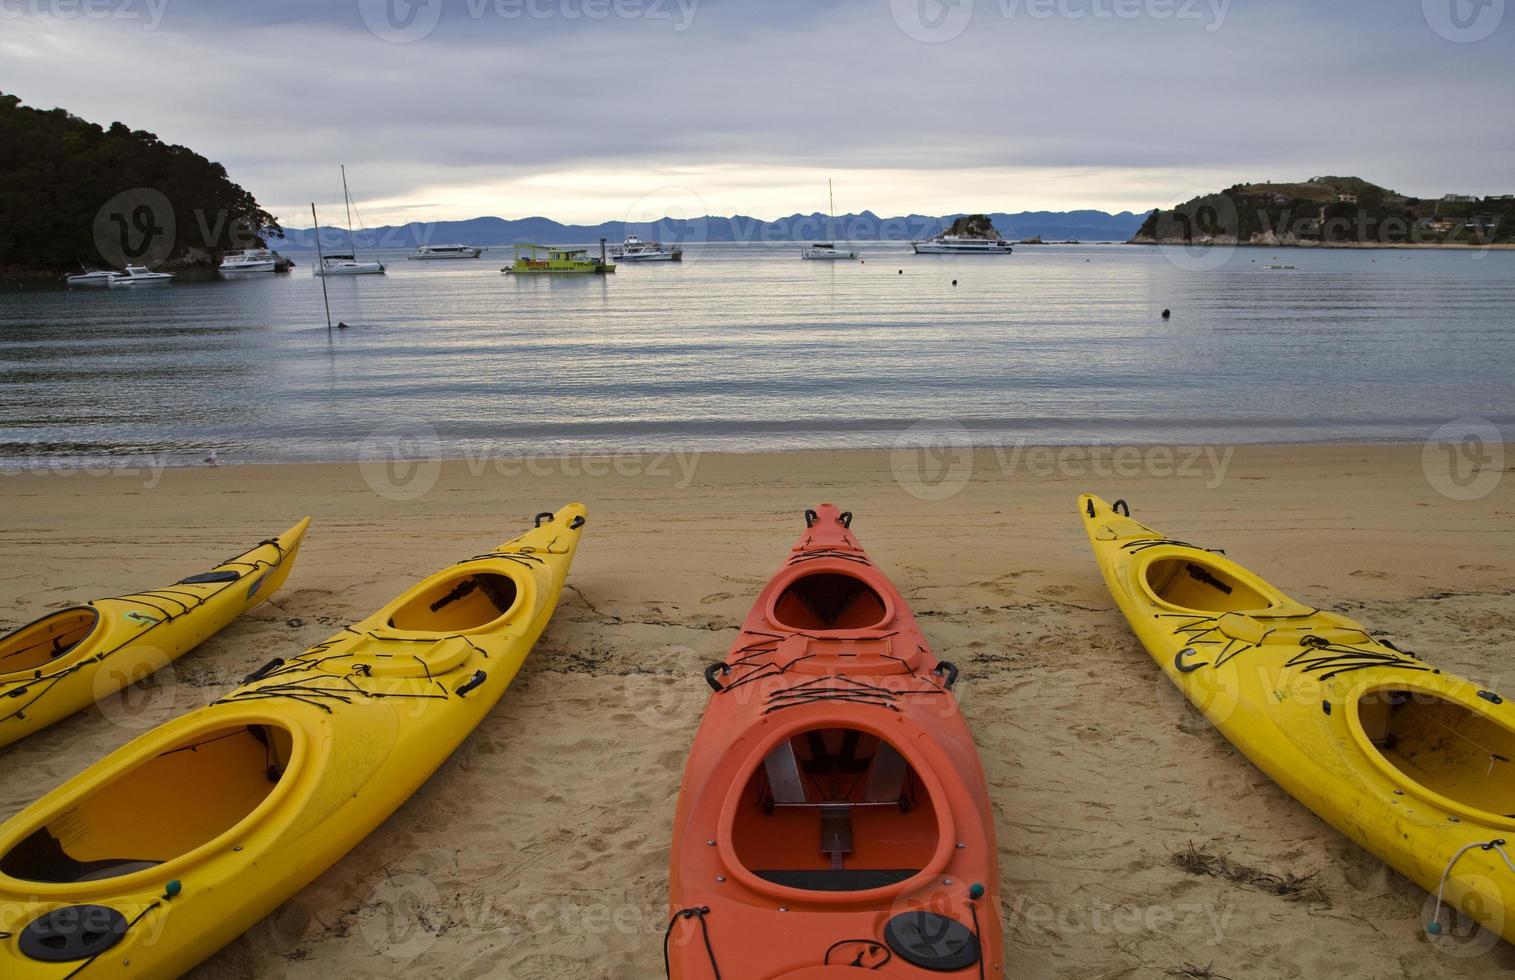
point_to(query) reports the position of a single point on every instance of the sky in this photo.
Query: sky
(595, 110)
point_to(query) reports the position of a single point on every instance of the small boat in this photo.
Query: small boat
(248, 261)
(636, 250)
(342, 263)
(136, 275)
(834, 816)
(945, 244)
(165, 850)
(346, 265)
(1411, 762)
(432, 252)
(534, 259)
(828, 250)
(67, 660)
(91, 277)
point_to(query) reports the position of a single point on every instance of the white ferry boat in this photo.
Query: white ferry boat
(431, 252)
(958, 245)
(633, 249)
(249, 260)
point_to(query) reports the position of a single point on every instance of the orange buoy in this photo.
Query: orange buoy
(834, 816)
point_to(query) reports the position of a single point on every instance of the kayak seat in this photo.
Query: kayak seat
(41, 858)
(832, 880)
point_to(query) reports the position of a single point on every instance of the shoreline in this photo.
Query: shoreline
(1080, 734)
(66, 465)
(1448, 246)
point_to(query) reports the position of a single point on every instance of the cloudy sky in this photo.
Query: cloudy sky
(589, 110)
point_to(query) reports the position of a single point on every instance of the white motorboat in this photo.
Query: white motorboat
(827, 250)
(945, 244)
(426, 252)
(136, 275)
(92, 277)
(636, 250)
(347, 265)
(248, 261)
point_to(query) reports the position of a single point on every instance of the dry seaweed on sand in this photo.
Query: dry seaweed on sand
(1297, 888)
(1191, 972)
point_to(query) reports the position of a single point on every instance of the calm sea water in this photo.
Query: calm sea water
(747, 347)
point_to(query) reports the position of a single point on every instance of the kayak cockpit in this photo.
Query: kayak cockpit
(1450, 750)
(834, 810)
(38, 644)
(829, 600)
(457, 602)
(1199, 583)
(161, 809)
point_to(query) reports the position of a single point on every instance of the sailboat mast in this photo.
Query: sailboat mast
(321, 262)
(347, 200)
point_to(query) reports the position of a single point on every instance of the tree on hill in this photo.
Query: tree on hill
(73, 193)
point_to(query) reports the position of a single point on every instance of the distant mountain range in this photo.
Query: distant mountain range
(1096, 226)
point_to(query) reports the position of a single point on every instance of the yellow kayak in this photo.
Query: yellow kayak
(68, 660)
(167, 849)
(1412, 763)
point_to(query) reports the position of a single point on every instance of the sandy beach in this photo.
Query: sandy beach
(540, 849)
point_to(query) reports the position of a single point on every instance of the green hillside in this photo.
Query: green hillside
(73, 193)
(1330, 211)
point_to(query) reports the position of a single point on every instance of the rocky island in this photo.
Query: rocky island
(1342, 212)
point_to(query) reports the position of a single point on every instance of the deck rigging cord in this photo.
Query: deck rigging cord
(692, 912)
(44, 682)
(1497, 845)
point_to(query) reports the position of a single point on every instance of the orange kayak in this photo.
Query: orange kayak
(834, 819)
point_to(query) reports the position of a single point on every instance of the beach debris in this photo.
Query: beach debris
(1192, 972)
(1295, 888)
(954, 282)
(1167, 314)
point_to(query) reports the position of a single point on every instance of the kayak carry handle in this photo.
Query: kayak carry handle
(1122, 508)
(950, 669)
(472, 682)
(810, 518)
(1089, 506)
(544, 515)
(264, 670)
(846, 519)
(710, 673)
(577, 522)
(1182, 666)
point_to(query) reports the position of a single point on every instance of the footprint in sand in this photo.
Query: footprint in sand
(715, 597)
(1055, 589)
(1369, 573)
(1477, 568)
